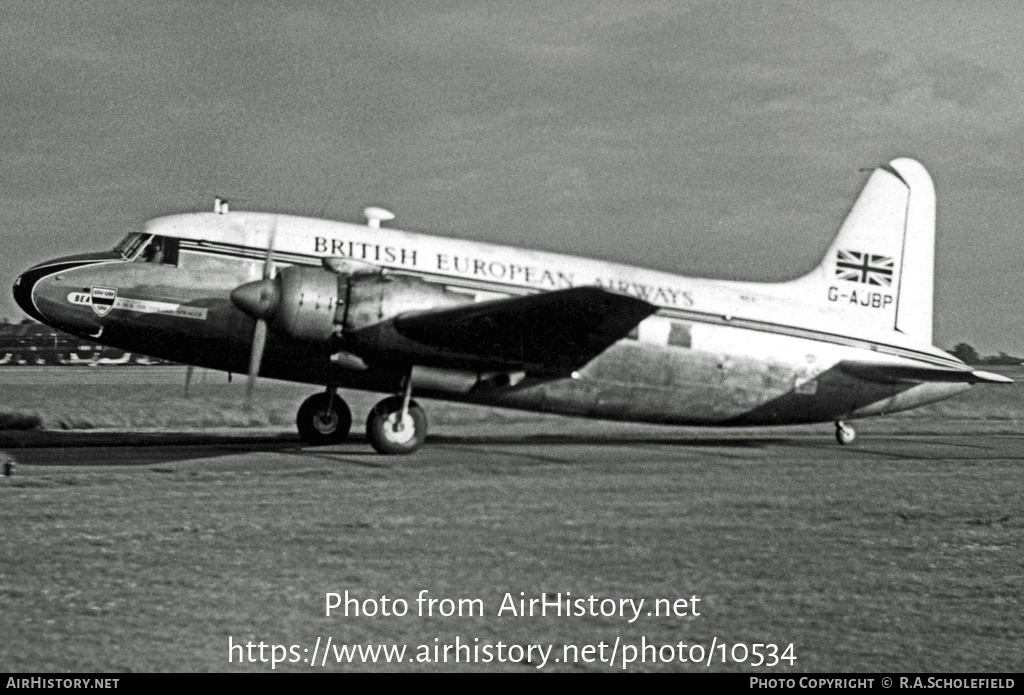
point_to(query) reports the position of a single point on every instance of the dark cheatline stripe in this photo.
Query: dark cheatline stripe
(250, 254)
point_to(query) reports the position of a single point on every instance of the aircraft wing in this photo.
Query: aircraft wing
(893, 373)
(552, 332)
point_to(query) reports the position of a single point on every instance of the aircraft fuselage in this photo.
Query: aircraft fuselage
(714, 352)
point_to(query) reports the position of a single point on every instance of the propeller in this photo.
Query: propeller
(258, 299)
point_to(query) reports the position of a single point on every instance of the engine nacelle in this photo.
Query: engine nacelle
(318, 305)
(376, 298)
(311, 303)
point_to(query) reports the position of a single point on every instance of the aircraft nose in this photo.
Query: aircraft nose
(22, 290)
(32, 287)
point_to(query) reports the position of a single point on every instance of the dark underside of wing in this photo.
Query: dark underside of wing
(552, 332)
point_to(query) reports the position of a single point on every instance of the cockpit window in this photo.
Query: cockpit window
(161, 249)
(149, 248)
(130, 245)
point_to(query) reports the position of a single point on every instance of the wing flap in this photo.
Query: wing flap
(552, 332)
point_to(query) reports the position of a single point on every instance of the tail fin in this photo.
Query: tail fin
(878, 274)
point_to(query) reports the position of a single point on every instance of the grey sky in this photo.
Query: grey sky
(722, 139)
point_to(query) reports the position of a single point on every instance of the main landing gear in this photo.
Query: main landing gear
(324, 418)
(394, 429)
(844, 433)
(396, 425)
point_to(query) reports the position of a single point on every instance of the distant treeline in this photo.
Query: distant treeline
(31, 343)
(968, 354)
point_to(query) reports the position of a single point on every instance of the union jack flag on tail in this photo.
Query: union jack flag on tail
(868, 268)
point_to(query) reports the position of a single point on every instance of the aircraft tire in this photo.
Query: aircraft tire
(317, 430)
(381, 427)
(845, 434)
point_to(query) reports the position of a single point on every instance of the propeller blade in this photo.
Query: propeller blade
(188, 377)
(259, 342)
(267, 301)
(268, 265)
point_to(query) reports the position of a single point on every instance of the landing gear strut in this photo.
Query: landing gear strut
(324, 418)
(844, 433)
(397, 425)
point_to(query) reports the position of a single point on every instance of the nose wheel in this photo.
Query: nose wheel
(324, 418)
(844, 433)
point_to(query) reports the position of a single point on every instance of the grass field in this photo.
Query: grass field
(80, 398)
(77, 398)
(897, 554)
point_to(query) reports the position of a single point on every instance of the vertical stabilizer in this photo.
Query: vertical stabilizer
(878, 274)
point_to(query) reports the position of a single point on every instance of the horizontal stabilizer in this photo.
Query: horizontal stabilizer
(895, 373)
(990, 378)
(553, 332)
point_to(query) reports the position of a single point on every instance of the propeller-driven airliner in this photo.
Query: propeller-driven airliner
(370, 307)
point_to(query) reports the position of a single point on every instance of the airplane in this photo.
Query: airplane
(369, 307)
(110, 361)
(74, 359)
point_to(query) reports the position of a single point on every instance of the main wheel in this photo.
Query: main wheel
(390, 434)
(323, 419)
(845, 434)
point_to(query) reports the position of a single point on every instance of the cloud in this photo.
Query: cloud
(703, 137)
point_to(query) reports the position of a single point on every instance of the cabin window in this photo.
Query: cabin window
(679, 334)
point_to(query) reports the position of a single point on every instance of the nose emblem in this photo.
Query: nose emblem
(103, 300)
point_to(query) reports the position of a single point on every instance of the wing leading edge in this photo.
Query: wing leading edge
(551, 333)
